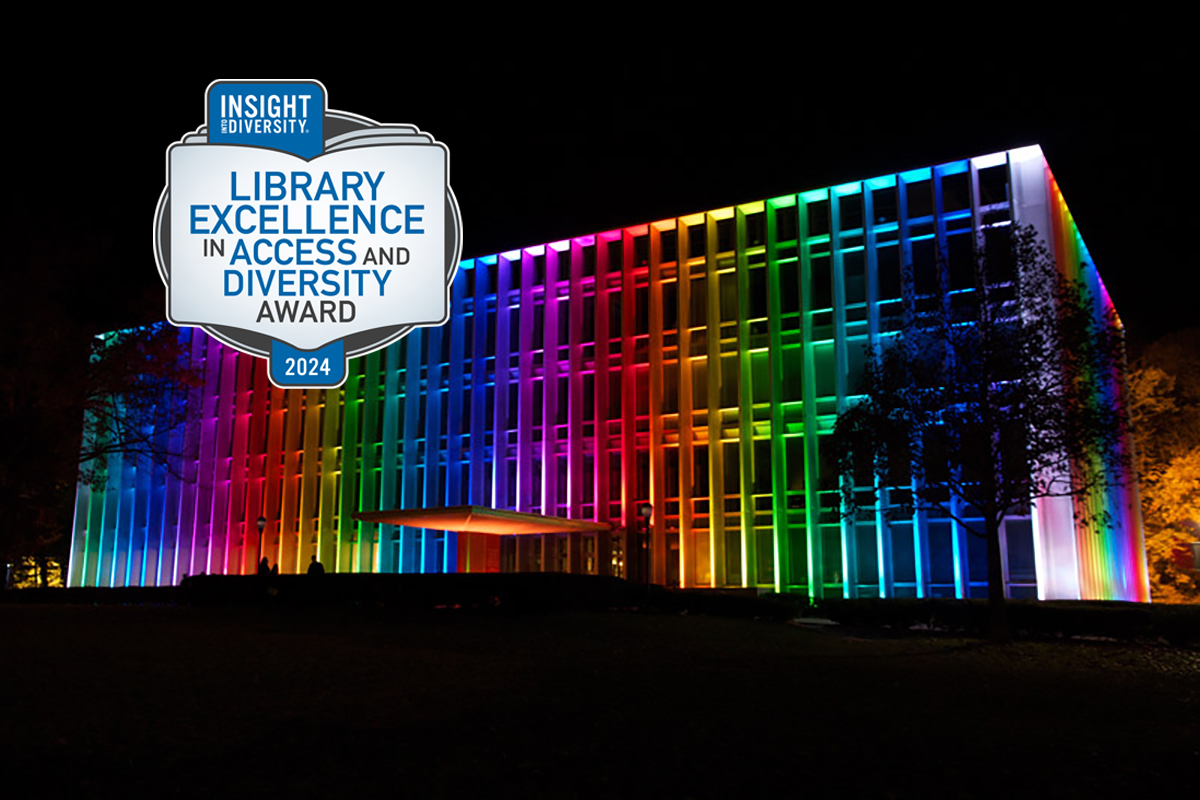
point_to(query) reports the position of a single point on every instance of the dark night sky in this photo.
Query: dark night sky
(585, 135)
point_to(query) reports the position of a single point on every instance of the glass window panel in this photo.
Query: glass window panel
(785, 223)
(730, 375)
(888, 266)
(826, 370)
(956, 192)
(699, 384)
(941, 553)
(614, 394)
(993, 185)
(850, 212)
(614, 315)
(867, 556)
(904, 569)
(671, 471)
(756, 232)
(920, 198)
(762, 466)
(925, 267)
(668, 246)
(960, 250)
(818, 218)
(883, 203)
(822, 283)
(760, 370)
(789, 287)
(758, 293)
(729, 297)
(725, 234)
(670, 297)
(1019, 536)
(831, 540)
(696, 241)
(854, 270)
(792, 373)
(700, 470)
(698, 311)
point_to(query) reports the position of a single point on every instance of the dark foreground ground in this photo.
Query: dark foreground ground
(204, 701)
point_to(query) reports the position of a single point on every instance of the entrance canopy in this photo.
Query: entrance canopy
(480, 519)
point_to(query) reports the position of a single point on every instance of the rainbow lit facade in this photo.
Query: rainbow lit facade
(695, 363)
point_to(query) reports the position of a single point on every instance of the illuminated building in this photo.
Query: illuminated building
(695, 363)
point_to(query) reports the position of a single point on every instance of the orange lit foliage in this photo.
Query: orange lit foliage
(1164, 390)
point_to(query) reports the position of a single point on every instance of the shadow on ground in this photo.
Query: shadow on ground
(299, 698)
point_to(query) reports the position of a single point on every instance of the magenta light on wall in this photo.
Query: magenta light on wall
(696, 363)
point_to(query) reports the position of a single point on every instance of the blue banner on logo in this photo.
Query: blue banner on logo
(285, 116)
(325, 366)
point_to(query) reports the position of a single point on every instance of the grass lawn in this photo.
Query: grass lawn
(219, 702)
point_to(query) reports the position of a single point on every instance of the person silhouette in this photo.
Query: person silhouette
(315, 567)
(264, 566)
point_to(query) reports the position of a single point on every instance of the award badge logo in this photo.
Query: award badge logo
(305, 235)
